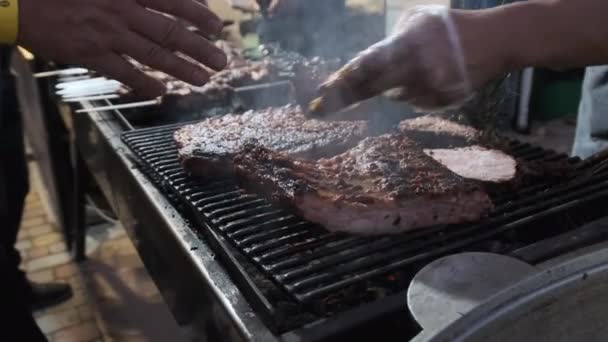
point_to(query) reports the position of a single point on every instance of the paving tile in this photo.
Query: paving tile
(79, 297)
(32, 200)
(47, 261)
(47, 239)
(23, 234)
(37, 252)
(35, 205)
(52, 322)
(65, 271)
(55, 309)
(44, 276)
(40, 230)
(85, 312)
(33, 222)
(23, 245)
(58, 247)
(76, 282)
(33, 212)
(84, 332)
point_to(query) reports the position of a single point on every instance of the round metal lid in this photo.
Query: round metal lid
(448, 288)
(566, 302)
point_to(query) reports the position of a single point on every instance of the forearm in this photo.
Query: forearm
(542, 33)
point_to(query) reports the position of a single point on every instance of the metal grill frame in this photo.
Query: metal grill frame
(510, 215)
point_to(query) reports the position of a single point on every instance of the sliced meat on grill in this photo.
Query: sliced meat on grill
(218, 92)
(206, 148)
(433, 131)
(462, 149)
(477, 162)
(385, 184)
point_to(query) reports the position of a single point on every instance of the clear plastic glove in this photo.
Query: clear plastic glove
(98, 33)
(421, 62)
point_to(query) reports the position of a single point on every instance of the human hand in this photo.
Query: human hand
(422, 62)
(99, 33)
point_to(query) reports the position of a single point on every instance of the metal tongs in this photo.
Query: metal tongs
(334, 99)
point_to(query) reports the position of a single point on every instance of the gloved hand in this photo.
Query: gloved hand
(98, 33)
(422, 62)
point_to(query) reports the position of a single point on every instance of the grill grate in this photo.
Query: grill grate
(316, 271)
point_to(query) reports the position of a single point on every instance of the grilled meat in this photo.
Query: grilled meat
(477, 162)
(248, 74)
(385, 184)
(207, 148)
(432, 131)
(181, 97)
(460, 148)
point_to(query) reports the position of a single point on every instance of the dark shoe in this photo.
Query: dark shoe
(41, 296)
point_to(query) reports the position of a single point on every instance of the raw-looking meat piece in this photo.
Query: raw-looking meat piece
(457, 147)
(477, 162)
(207, 148)
(384, 185)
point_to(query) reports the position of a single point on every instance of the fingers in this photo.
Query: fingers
(115, 67)
(156, 57)
(193, 11)
(173, 36)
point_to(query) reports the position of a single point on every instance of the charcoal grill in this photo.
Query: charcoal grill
(237, 268)
(295, 273)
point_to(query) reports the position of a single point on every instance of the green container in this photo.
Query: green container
(556, 95)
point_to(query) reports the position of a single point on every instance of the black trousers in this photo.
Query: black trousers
(14, 186)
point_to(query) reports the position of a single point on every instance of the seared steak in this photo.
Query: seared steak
(385, 184)
(206, 148)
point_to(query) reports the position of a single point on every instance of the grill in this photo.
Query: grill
(294, 272)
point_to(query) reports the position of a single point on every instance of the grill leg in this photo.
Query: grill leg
(79, 224)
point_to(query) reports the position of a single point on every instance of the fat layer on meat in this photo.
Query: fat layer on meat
(477, 162)
(206, 148)
(385, 184)
(457, 147)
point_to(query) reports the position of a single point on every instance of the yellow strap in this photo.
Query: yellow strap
(9, 21)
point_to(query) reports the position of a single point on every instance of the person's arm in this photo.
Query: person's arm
(438, 57)
(541, 33)
(98, 34)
